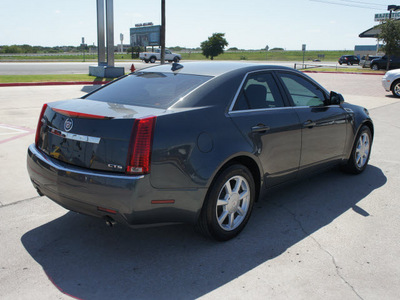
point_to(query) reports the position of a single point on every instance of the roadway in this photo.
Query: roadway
(37, 68)
(332, 236)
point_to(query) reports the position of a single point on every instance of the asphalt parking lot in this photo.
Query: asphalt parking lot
(331, 236)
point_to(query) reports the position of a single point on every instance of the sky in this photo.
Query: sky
(251, 24)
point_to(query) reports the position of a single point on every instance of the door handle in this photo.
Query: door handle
(260, 128)
(309, 124)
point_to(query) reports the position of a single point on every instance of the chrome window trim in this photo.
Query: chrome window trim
(230, 110)
(235, 98)
(260, 109)
(277, 108)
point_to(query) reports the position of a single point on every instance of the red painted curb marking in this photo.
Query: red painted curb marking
(352, 73)
(53, 83)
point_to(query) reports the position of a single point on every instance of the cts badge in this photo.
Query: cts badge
(68, 124)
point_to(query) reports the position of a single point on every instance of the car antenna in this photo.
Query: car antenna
(176, 67)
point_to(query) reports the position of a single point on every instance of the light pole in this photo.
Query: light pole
(162, 37)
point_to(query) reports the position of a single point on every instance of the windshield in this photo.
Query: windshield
(149, 89)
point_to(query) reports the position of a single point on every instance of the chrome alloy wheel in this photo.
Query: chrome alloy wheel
(233, 203)
(396, 89)
(362, 150)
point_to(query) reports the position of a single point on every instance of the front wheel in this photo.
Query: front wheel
(176, 59)
(396, 89)
(361, 151)
(375, 67)
(152, 60)
(228, 204)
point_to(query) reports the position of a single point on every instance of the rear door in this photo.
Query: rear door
(323, 127)
(269, 125)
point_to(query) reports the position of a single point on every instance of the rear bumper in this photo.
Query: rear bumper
(131, 197)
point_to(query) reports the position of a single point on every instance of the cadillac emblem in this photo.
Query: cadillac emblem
(68, 124)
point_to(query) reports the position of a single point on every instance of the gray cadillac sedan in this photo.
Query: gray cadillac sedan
(193, 142)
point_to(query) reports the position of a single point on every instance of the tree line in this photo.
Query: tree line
(23, 49)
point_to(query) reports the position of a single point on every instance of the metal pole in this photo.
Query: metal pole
(162, 37)
(101, 50)
(110, 32)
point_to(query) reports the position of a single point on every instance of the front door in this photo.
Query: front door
(270, 126)
(323, 127)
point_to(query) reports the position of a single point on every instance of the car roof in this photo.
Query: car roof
(210, 68)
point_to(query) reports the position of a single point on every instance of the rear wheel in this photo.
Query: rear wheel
(360, 153)
(153, 60)
(396, 88)
(228, 204)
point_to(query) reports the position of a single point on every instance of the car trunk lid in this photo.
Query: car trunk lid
(91, 134)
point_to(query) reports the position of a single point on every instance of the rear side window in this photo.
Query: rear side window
(259, 92)
(149, 89)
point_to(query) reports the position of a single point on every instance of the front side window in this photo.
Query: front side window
(302, 91)
(259, 92)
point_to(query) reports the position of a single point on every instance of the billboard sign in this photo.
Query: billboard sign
(145, 36)
(385, 16)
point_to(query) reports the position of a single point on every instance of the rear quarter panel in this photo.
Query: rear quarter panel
(190, 146)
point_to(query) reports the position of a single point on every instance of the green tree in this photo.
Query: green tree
(390, 35)
(214, 46)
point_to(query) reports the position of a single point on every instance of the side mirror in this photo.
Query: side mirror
(335, 99)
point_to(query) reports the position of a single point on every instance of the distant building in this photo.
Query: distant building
(363, 50)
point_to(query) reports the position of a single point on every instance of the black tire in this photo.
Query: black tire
(360, 153)
(227, 206)
(152, 59)
(340, 63)
(176, 59)
(375, 67)
(396, 88)
(146, 61)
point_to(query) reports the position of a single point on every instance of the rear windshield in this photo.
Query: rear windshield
(149, 89)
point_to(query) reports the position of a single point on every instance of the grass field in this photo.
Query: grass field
(87, 78)
(236, 55)
(50, 78)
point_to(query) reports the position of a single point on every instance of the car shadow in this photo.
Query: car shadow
(392, 97)
(88, 260)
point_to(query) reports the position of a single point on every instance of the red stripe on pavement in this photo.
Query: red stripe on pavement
(53, 83)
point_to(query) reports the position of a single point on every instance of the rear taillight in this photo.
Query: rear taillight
(39, 125)
(139, 154)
